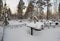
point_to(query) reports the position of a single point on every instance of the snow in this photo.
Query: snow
(1, 33)
(36, 25)
(14, 22)
(22, 33)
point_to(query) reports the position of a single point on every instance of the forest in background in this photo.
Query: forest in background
(35, 9)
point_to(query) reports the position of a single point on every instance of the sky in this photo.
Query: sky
(12, 4)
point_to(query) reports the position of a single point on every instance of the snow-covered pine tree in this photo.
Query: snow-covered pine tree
(40, 4)
(29, 10)
(20, 9)
(9, 13)
(5, 14)
(48, 4)
(1, 5)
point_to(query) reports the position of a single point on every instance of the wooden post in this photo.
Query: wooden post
(31, 31)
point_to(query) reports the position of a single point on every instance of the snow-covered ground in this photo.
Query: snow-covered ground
(1, 32)
(15, 32)
(23, 34)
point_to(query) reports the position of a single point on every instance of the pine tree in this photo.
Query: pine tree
(5, 10)
(59, 10)
(9, 13)
(48, 6)
(40, 4)
(1, 5)
(20, 9)
(29, 10)
(5, 15)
